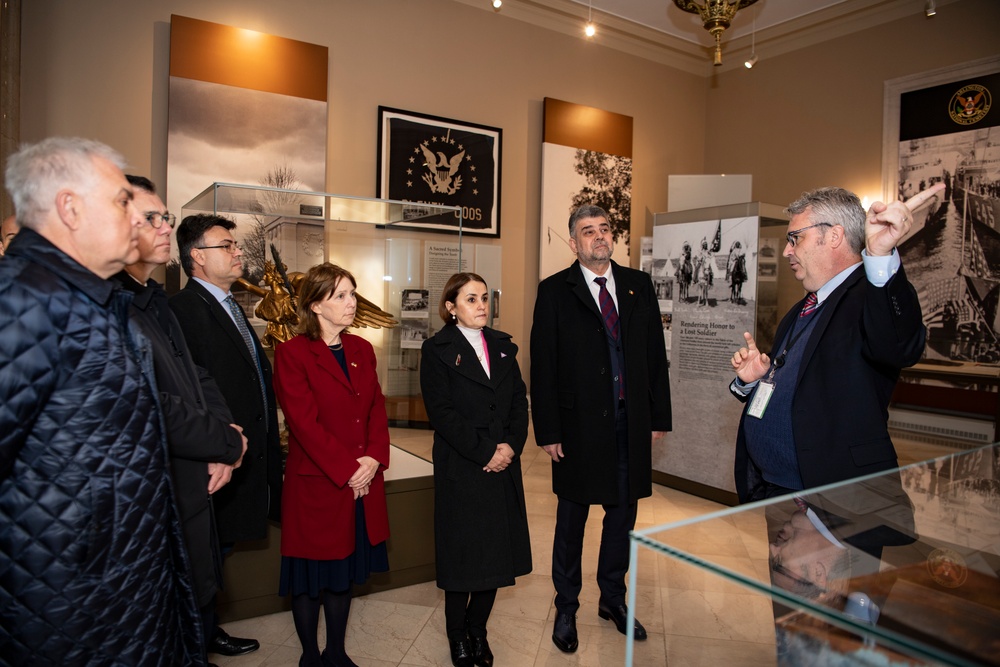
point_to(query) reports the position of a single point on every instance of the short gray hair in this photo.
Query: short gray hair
(38, 171)
(838, 207)
(586, 211)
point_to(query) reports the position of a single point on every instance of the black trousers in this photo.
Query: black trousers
(612, 561)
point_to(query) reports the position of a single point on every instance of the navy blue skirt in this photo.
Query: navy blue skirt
(303, 575)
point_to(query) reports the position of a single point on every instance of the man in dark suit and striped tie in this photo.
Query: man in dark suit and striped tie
(816, 408)
(223, 343)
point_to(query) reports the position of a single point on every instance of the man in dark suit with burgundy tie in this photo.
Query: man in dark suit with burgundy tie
(600, 397)
(223, 343)
(816, 408)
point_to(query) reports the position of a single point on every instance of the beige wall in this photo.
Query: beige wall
(814, 117)
(98, 69)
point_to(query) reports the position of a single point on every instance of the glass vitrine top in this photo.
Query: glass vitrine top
(232, 198)
(907, 559)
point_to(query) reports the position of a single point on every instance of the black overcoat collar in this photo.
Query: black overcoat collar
(457, 352)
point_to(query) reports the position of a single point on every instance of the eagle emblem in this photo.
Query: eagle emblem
(440, 175)
(970, 104)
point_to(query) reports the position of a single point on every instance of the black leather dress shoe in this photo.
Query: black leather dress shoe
(481, 653)
(461, 653)
(223, 644)
(564, 633)
(619, 614)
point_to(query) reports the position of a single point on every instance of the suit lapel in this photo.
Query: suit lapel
(459, 354)
(222, 317)
(825, 314)
(581, 289)
(625, 293)
(501, 356)
(326, 362)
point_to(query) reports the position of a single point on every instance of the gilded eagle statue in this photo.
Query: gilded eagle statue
(278, 304)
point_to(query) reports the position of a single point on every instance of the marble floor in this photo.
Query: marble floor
(692, 618)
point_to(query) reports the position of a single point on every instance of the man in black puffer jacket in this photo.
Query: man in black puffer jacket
(92, 570)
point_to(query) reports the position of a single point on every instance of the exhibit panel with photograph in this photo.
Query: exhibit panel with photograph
(950, 133)
(705, 274)
(586, 160)
(233, 119)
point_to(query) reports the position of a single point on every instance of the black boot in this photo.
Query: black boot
(461, 653)
(481, 653)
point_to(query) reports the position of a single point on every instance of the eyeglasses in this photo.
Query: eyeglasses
(793, 237)
(229, 246)
(156, 220)
(797, 585)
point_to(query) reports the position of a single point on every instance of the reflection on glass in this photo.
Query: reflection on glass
(901, 568)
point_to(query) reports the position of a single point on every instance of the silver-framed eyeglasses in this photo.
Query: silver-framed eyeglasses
(229, 246)
(793, 236)
(157, 220)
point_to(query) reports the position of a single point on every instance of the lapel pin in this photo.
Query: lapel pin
(354, 364)
(503, 355)
(458, 360)
(631, 293)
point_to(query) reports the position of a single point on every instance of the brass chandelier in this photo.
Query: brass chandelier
(717, 15)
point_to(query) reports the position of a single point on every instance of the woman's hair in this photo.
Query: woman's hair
(318, 283)
(451, 290)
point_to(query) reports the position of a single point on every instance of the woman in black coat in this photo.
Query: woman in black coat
(477, 405)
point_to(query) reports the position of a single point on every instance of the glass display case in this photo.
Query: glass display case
(399, 266)
(899, 568)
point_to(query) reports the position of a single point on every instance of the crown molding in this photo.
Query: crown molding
(568, 17)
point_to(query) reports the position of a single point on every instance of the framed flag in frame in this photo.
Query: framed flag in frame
(427, 159)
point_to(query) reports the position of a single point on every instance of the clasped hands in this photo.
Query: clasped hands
(362, 478)
(502, 458)
(219, 474)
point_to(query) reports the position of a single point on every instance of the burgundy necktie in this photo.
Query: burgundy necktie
(608, 309)
(809, 306)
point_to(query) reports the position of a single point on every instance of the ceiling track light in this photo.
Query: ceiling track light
(590, 29)
(497, 4)
(929, 8)
(752, 60)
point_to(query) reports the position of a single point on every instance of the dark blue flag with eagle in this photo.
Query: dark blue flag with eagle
(435, 162)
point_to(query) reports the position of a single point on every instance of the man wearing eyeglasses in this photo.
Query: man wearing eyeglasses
(204, 443)
(222, 342)
(816, 406)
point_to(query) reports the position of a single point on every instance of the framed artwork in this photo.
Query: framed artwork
(944, 127)
(432, 160)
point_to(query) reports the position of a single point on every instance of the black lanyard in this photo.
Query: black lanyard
(793, 337)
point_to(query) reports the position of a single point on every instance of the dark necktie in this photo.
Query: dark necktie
(608, 309)
(241, 324)
(809, 306)
(610, 314)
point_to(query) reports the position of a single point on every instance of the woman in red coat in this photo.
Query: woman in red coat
(334, 519)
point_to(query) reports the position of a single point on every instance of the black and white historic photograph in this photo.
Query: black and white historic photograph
(414, 303)
(573, 177)
(952, 254)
